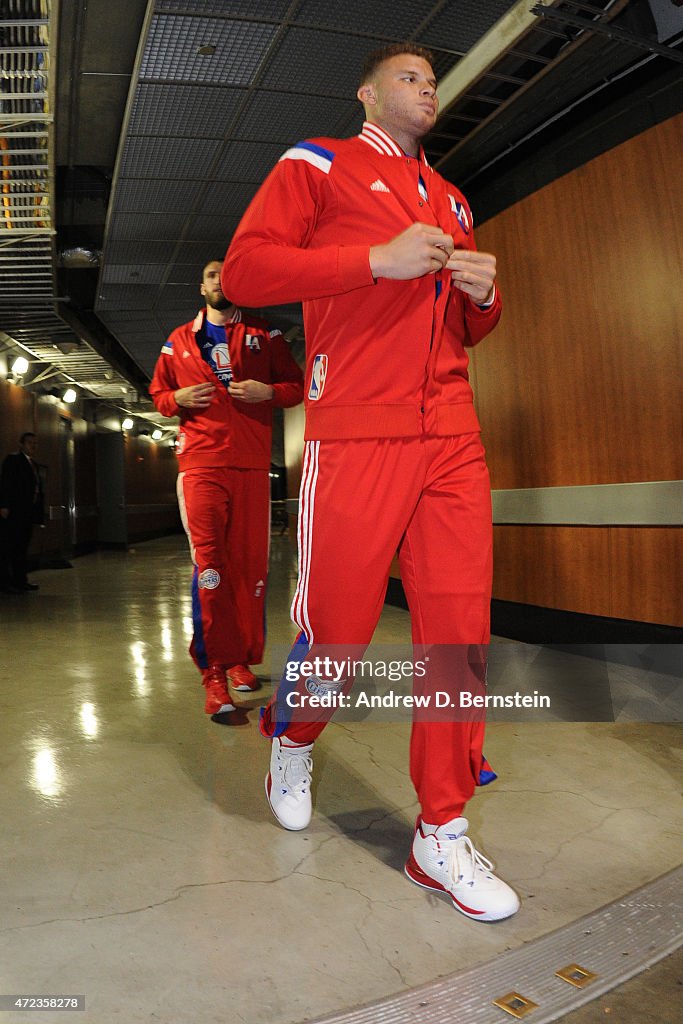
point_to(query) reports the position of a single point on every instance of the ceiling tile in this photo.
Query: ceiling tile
(212, 229)
(227, 199)
(326, 63)
(137, 195)
(264, 10)
(248, 161)
(389, 20)
(153, 157)
(457, 26)
(173, 41)
(122, 251)
(136, 273)
(200, 111)
(272, 117)
(152, 226)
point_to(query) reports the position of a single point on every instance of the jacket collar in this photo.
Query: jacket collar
(198, 322)
(382, 141)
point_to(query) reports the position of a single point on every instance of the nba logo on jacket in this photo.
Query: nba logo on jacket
(318, 375)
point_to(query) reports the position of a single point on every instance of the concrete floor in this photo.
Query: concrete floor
(143, 868)
(653, 997)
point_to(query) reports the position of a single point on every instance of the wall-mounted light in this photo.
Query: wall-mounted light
(157, 434)
(19, 366)
(127, 424)
(69, 396)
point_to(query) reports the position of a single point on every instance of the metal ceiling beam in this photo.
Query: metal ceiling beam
(564, 55)
(501, 38)
(619, 35)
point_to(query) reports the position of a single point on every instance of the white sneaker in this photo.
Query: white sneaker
(444, 859)
(288, 784)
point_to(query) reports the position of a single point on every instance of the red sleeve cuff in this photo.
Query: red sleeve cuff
(354, 267)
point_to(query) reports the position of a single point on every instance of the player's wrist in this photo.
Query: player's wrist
(490, 298)
(377, 260)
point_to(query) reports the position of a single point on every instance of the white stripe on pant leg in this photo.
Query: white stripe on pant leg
(303, 496)
(305, 490)
(308, 485)
(293, 611)
(180, 491)
(309, 629)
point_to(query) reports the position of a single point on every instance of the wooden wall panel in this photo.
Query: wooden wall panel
(621, 572)
(581, 381)
(568, 570)
(645, 572)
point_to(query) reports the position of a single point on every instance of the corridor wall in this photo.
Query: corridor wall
(579, 387)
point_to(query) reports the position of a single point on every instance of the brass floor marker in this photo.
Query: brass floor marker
(516, 1005)
(576, 975)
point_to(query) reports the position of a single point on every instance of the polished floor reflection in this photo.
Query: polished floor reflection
(143, 868)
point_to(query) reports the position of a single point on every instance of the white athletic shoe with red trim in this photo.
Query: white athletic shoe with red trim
(444, 859)
(288, 784)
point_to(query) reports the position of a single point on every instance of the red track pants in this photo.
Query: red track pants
(428, 497)
(226, 515)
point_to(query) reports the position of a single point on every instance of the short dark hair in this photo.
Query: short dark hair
(27, 433)
(214, 259)
(378, 56)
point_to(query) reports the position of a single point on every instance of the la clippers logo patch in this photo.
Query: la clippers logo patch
(461, 213)
(252, 342)
(209, 579)
(318, 377)
(463, 219)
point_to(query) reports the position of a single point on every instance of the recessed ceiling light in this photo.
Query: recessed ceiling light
(207, 50)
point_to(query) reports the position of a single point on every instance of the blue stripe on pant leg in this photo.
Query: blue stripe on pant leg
(197, 647)
(281, 708)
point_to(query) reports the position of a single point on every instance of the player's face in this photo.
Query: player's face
(211, 286)
(402, 95)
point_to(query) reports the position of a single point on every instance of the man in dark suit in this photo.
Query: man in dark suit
(21, 507)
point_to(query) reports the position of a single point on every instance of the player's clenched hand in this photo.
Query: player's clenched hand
(473, 272)
(196, 396)
(420, 249)
(250, 390)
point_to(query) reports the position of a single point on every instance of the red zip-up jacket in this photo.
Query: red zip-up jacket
(228, 432)
(385, 358)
